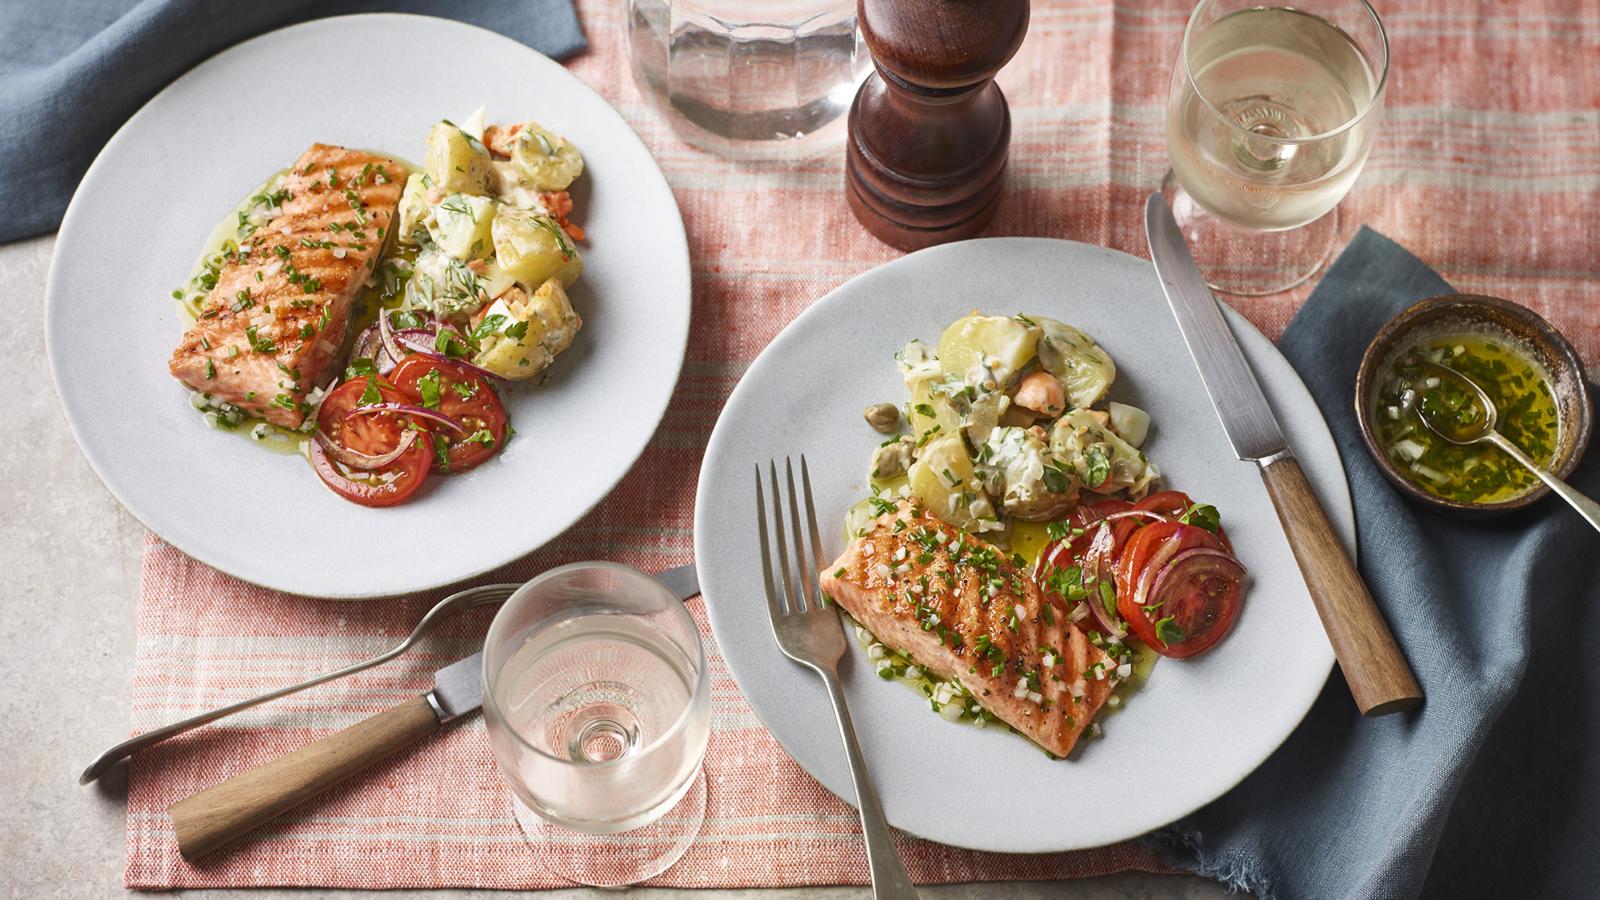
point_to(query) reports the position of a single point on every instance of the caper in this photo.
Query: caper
(883, 417)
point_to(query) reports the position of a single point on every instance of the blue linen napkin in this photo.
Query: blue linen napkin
(1492, 788)
(72, 71)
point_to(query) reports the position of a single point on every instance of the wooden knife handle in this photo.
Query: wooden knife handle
(1372, 662)
(218, 814)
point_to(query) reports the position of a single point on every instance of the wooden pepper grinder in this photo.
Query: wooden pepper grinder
(929, 130)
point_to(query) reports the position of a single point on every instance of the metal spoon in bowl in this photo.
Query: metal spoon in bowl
(1481, 428)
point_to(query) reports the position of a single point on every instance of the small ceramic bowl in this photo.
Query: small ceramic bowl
(1472, 312)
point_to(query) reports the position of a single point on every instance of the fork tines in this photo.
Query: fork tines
(802, 593)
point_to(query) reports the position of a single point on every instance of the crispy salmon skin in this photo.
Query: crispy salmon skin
(958, 608)
(268, 332)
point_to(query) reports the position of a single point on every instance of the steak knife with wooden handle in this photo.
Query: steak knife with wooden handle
(1377, 672)
(207, 820)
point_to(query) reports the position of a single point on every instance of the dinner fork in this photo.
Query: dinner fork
(809, 632)
(476, 596)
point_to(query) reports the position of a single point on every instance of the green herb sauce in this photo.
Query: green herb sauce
(1476, 473)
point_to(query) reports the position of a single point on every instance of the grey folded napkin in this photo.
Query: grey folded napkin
(1492, 788)
(72, 71)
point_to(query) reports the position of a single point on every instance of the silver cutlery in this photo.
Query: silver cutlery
(809, 632)
(477, 596)
(1377, 672)
(1484, 431)
(682, 580)
(211, 818)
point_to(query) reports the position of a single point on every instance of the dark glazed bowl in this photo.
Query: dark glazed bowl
(1473, 312)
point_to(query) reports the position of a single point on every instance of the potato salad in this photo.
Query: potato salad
(1004, 423)
(494, 249)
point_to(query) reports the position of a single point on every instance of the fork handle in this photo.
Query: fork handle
(890, 880)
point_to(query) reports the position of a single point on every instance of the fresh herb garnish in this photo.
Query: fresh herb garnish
(428, 387)
(1097, 467)
(1168, 631)
(1202, 515)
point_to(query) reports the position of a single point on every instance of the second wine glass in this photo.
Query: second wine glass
(1269, 120)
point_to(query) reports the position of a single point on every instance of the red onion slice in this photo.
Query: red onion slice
(409, 409)
(1198, 561)
(1152, 566)
(369, 344)
(1133, 513)
(404, 342)
(1097, 566)
(386, 334)
(363, 461)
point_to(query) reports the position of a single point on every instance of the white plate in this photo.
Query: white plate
(1198, 726)
(378, 82)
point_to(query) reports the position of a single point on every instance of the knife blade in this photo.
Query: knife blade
(211, 818)
(1380, 679)
(1228, 378)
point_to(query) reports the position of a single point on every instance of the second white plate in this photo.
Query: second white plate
(1196, 729)
(176, 168)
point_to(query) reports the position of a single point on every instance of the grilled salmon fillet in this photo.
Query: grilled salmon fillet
(958, 608)
(270, 328)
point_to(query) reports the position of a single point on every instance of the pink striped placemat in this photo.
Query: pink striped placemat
(1487, 165)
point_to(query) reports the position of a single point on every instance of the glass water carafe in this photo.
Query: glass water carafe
(749, 79)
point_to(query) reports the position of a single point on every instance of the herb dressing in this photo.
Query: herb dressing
(1518, 386)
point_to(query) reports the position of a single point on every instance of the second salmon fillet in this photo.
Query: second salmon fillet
(962, 611)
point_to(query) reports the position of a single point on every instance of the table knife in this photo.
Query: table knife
(1376, 670)
(213, 817)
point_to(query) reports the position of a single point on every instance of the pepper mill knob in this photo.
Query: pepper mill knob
(929, 129)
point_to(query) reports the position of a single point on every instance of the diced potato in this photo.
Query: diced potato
(461, 226)
(1086, 371)
(521, 335)
(458, 162)
(532, 248)
(986, 351)
(544, 160)
(1036, 487)
(413, 208)
(1129, 422)
(1104, 462)
(928, 410)
(472, 125)
(942, 478)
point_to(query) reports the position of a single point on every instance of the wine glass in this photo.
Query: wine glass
(1269, 120)
(598, 708)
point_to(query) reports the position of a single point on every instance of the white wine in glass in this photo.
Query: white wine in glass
(1270, 119)
(597, 700)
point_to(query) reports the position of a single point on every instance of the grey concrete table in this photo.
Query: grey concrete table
(70, 581)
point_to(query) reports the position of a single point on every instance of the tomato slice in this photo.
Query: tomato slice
(1198, 603)
(1155, 546)
(1171, 504)
(373, 435)
(1069, 551)
(462, 395)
